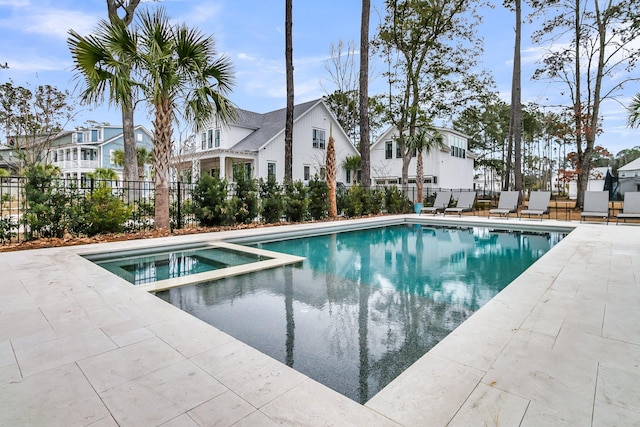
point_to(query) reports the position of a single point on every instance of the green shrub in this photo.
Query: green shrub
(396, 201)
(7, 229)
(244, 203)
(271, 198)
(210, 205)
(48, 202)
(296, 202)
(358, 201)
(318, 198)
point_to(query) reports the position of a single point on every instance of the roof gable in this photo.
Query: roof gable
(267, 125)
(631, 166)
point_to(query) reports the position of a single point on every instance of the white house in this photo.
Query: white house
(450, 166)
(596, 181)
(82, 151)
(254, 142)
(629, 177)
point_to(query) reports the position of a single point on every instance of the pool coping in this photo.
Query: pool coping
(559, 345)
(275, 259)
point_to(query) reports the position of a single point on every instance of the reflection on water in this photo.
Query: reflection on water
(366, 304)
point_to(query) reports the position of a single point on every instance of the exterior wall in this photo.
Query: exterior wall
(304, 154)
(450, 171)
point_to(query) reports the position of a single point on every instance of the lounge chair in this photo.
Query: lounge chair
(464, 204)
(596, 205)
(631, 207)
(538, 204)
(440, 204)
(507, 204)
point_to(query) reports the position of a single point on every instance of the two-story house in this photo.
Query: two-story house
(629, 177)
(254, 142)
(79, 152)
(449, 166)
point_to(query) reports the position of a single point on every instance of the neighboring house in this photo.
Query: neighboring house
(629, 177)
(596, 181)
(450, 166)
(254, 143)
(79, 152)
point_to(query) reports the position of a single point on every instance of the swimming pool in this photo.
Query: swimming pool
(365, 304)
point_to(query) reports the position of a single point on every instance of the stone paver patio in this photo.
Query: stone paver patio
(559, 346)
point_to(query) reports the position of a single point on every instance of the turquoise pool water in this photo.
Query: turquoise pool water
(366, 304)
(143, 269)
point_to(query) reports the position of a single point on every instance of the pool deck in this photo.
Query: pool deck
(559, 346)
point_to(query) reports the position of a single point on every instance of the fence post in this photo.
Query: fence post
(179, 207)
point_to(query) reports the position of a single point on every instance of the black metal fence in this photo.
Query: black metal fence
(137, 196)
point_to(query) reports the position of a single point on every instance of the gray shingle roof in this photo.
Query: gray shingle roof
(266, 125)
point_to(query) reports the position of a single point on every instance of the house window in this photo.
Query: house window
(204, 140)
(348, 175)
(111, 157)
(318, 139)
(458, 147)
(388, 150)
(271, 170)
(323, 173)
(94, 135)
(307, 172)
(210, 138)
(78, 136)
(398, 151)
(217, 137)
(215, 172)
(139, 137)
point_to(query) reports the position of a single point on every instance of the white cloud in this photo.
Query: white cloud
(48, 22)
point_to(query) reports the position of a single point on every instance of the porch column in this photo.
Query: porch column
(222, 166)
(78, 158)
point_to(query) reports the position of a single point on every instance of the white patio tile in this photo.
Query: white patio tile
(489, 406)
(430, 392)
(223, 410)
(182, 420)
(127, 332)
(607, 415)
(255, 377)
(621, 323)
(61, 351)
(619, 386)
(309, 403)
(56, 397)
(487, 340)
(105, 422)
(256, 418)
(123, 364)
(202, 336)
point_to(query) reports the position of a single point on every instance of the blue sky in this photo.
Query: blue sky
(33, 37)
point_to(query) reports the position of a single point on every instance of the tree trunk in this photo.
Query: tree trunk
(161, 158)
(130, 172)
(419, 178)
(331, 176)
(288, 130)
(583, 172)
(517, 106)
(365, 151)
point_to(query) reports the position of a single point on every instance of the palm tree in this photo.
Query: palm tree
(179, 73)
(143, 157)
(634, 111)
(424, 139)
(352, 163)
(331, 174)
(103, 62)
